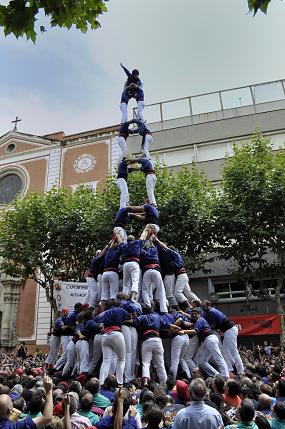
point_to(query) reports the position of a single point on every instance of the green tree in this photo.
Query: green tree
(256, 5)
(19, 16)
(250, 215)
(42, 234)
(187, 216)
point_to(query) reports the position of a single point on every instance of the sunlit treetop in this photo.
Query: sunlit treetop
(21, 17)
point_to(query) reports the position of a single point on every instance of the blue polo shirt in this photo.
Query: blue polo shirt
(142, 128)
(131, 251)
(151, 214)
(147, 165)
(164, 260)
(112, 257)
(124, 130)
(152, 321)
(122, 217)
(26, 423)
(109, 421)
(132, 307)
(123, 170)
(149, 254)
(217, 319)
(97, 266)
(115, 316)
(202, 328)
(71, 318)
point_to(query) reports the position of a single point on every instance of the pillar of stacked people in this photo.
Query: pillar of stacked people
(140, 317)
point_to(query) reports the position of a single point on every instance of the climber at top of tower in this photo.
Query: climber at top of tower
(132, 89)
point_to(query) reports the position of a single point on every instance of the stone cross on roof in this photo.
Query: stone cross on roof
(16, 123)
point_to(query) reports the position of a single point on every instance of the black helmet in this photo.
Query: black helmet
(135, 71)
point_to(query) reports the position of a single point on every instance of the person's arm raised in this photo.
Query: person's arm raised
(118, 422)
(46, 418)
(66, 417)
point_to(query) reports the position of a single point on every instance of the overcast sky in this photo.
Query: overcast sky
(72, 82)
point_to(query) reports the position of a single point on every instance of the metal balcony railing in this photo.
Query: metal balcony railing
(226, 103)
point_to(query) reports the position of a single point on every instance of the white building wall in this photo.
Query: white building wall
(115, 153)
(54, 168)
(43, 318)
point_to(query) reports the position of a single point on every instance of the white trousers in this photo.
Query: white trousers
(169, 282)
(182, 291)
(82, 356)
(131, 277)
(131, 341)
(140, 110)
(179, 348)
(70, 358)
(147, 142)
(92, 294)
(152, 282)
(152, 350)
(99, 286)
(124, 110)
(97, 352)
(123, 186)
(113, 342)
(123, 146)
(230, 350)
(150, 185)
(211, 349)
(110, 285)
(54, 346)
(192, 349)
(64, 340)
(62, 360)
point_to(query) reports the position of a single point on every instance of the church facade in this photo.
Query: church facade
(30, 163)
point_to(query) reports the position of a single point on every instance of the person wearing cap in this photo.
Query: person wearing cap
(132, 89)
(210, 345)
(219, 321)
(147, 213)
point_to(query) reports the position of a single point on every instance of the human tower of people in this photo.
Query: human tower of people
(140, 309)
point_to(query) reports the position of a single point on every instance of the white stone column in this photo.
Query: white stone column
(10, 298)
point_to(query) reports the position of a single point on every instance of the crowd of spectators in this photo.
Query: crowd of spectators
(29, 398)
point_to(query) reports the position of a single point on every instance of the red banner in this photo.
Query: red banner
(257, 325)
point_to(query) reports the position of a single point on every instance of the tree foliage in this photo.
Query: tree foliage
(250, 214)
(42, 234)
(256, 5)
(19, 16)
